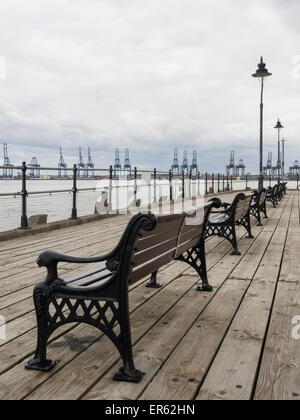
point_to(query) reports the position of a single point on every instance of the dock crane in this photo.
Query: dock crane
(81, 165)
(7, 171)
(62, 165)
(194, 166)
(127, 165)
(269, 167)
(230, 169)
(90, 163)
(34, 167)
(185, 165)
(117, 166)
(175, 167)
(240, 168)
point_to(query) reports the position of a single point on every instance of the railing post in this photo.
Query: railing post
(183, 185)
(213, 183)
(231, 183)
(24, 193)
(190, 185)
(171, 187)
(199, 192)
(155, 179)
(135, 184)
(74, 191)
(297, 181)
(206, 181)
(246, 182)
(223, 183)
(110, 188)
(218, 182)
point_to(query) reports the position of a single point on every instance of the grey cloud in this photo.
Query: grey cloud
(146, 75)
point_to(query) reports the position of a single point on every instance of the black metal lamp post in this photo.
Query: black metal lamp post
(261, 73)
(279, 127)
(283, 159)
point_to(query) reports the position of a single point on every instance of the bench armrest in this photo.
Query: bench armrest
(50, 260)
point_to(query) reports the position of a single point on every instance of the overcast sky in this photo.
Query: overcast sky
(150, 75)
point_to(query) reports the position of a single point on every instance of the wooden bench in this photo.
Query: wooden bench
(100, 296)
(259, 205)
(280, 193)
(224, 223)
(272, 195)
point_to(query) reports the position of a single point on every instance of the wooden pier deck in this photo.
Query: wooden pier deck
(235, 343)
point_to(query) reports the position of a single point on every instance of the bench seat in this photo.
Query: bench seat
(99, 297)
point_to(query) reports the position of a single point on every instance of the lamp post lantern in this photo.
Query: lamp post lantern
(261, 73)
(279, 127)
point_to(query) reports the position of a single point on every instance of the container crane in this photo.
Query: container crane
(185, 165)
(90, 163)
(34, 167)
(117, 166)
(194, 166)
(7, 171)
(81, 165)
(175, 167)
(62, 165)
(127, 165)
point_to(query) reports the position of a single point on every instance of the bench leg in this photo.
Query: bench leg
(128, 373)
(264, 210)
(256, 213)
(40, 362)
(195, 257)
(246, 222)
(153, 281)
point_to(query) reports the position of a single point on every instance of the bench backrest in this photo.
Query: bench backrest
(242, 206)
(276, 189)
(260, 197)
(171, 237)
(263, 196)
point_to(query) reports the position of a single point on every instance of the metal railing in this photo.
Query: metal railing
(187, 182)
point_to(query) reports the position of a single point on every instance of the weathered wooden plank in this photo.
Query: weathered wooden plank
(180, 373)
(233, 373)
(249, 264)
(279, 376)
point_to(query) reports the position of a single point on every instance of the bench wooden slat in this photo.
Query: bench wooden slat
(154, 252)
(147, 269)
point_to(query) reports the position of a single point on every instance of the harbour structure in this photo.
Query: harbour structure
(230, 169)
(117, 165)
(8, 172)
(175, 167)
(194, 165)
(82, 173)
(90, 165)
(240, 169)
(235, 170)
(185, 165)
(127, 164)
(62, 166)
(268, 169)
(295, 170)
(34, 168)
